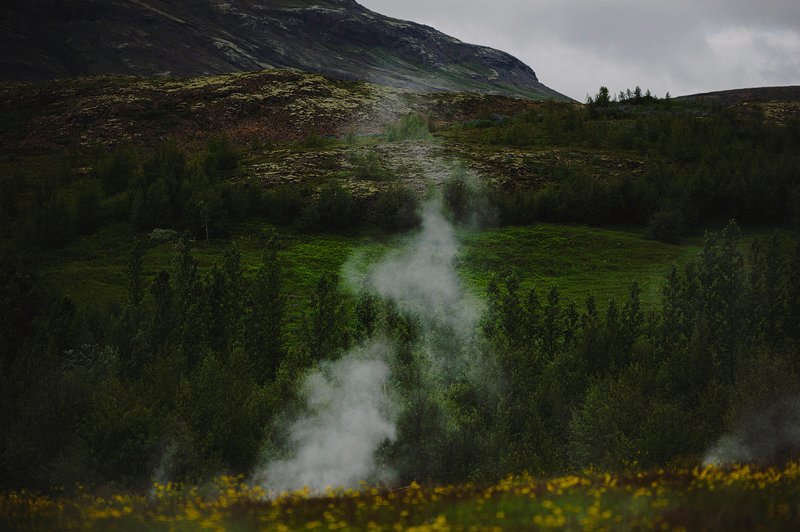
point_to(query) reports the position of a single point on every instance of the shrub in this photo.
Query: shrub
(164, 235)
(221, 155)
(87, 206)
(315, 141)
(334, 208)
(118, 170)
(515, 208)
(282, 204)
(467, 199)
(410, 127)
(666, 226)
(51, 224)
(395, 209)
(368, 165)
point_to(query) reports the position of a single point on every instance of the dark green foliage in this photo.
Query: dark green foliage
(155, 195)
(21, 299)
(87, 208)
(457, 197)
(601, 99)
(368, 165)
(466, 198)
(317, 141)
(135, 278)
(171, 191)
(395, 209)
(221, 156)
(631, 389)
(409, 127)
(177, 383)
(366, 316)
(9, 196)
(521, 206)
(666, 226)
(262, 338)
(283, 204)
(325, 324)
(118, 170)
(701, 165)
(181, 379)
(163, 387)
(226, 411)
(51, 222)
(333, 209)
(606, 430)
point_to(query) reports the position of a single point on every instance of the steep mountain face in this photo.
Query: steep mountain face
(44, 39)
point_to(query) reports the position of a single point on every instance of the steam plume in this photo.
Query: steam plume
(769, 436)
(349, 415)
(351, 407)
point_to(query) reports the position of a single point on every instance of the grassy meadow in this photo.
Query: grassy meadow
(578, 260)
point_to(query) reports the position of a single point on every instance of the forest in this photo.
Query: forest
(192, 370)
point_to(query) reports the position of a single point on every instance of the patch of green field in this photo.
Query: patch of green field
(93, 269)
(578, 260)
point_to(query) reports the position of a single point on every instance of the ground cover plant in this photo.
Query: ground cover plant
(690, 499)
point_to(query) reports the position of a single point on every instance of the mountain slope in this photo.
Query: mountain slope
(733, 96)
(270, 105)
(66, 38)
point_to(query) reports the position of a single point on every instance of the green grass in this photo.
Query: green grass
(579, 260)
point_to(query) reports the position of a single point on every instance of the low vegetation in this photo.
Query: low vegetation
(690, 499)
(165, 306)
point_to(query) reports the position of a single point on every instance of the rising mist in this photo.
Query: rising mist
(352, 406)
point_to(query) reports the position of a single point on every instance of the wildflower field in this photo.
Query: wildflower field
(699, 498)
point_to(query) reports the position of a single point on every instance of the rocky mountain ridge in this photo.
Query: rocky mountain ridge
(68, 38)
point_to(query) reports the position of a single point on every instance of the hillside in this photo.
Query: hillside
(187, 261)
(733, 96)
(161, 38)
(272, 105)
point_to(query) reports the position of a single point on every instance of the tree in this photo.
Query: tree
(87, 206)
(189, 304)
(366, 315)
(135, 278)
(162, 317)
(632, 317)
(221, 156)
(552, 332)
(602, 98)
(325, 323)
(263, 336)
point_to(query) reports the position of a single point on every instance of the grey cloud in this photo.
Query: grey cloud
(681, 46)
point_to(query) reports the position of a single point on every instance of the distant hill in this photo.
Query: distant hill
(48, 39)
(735, 96)
(270, 105)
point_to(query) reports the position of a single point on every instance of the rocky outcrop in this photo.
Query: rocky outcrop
(49, 39)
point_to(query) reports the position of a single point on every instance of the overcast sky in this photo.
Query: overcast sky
(680, 46)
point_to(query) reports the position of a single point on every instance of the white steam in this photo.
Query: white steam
(769, 436)
(422, 280)
(421, 277)
(351, 408)
(349, 415)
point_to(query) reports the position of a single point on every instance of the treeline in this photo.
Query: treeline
(701, 165)
(185, 378)
(618, 386)
(693, 166)
(198, 193)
